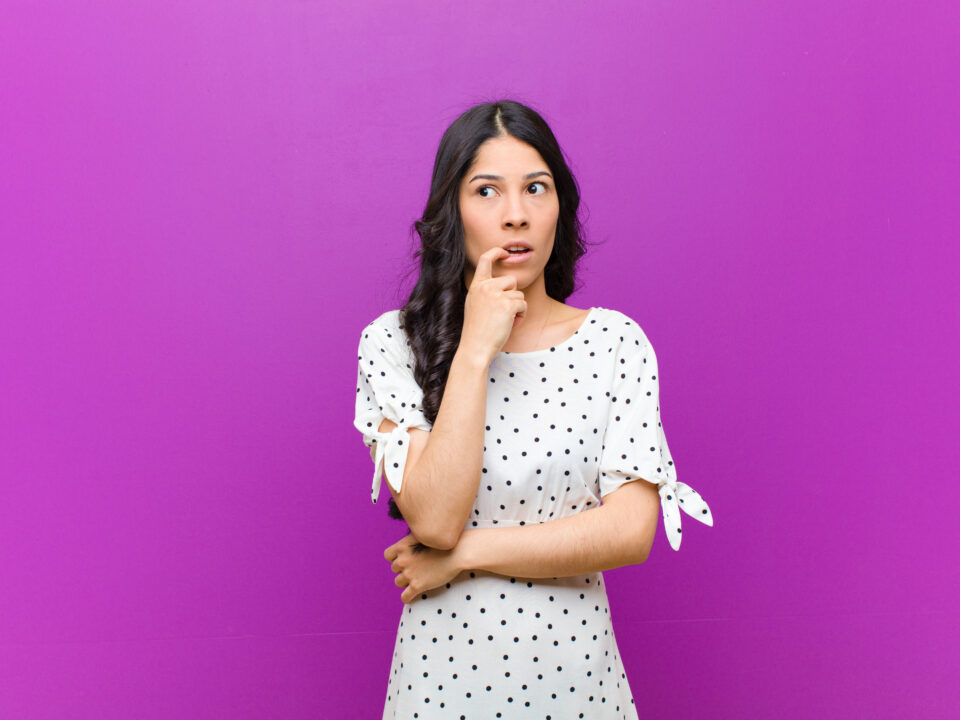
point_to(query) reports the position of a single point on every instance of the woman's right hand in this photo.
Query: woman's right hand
(493, 308)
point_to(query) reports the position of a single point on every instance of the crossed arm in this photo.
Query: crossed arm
(619, 532)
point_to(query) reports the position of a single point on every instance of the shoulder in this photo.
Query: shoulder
(386, 325)
(625, 333)
(388, 321)
(384, 334)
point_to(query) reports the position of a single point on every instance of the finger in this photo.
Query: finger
(505, 283)
(395, 566)
(390, 553)
(400, 581)
(484, 269)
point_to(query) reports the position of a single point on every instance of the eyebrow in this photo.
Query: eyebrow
(528, 176)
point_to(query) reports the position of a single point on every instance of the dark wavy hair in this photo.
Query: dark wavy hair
(433, 314)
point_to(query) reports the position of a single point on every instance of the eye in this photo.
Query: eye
(490, 187)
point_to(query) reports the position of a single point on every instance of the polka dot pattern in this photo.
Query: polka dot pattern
(635, 445)
(386, 388)
(565, 426)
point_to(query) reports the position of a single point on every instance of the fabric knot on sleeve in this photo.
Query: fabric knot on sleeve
(635, 445)
(387, 390)
(389, 458)
(674, 497)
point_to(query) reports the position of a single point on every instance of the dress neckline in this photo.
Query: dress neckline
(558, 346)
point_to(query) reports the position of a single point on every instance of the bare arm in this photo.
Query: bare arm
(442, 473)
(619, 532)
(439, 493)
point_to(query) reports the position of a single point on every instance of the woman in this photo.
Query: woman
(501, 418)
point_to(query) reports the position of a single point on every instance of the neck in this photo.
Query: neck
(541, 310)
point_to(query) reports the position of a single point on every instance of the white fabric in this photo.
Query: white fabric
(387, 389)
(564, 427)
(634, 442)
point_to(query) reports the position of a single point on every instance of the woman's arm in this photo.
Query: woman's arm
(443, 467)
(619, 532)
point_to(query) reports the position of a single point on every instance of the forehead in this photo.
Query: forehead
(507, 156)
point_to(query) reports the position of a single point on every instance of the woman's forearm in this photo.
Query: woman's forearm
(439, 491)
(601, 538)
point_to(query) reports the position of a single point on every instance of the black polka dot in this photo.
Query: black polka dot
(565, 426)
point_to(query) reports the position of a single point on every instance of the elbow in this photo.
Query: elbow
(431, 532)
(647, 531)
(642, 546)
(637, 554)
(428, 528)
(439, 541)
(424, 529)
(443, 543)
(448, 539)
(438, 538)
(439, 532)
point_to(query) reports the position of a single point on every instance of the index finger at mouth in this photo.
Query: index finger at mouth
(484, 269)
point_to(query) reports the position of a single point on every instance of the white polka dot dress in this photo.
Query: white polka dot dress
(565, 426)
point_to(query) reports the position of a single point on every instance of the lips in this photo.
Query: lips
(515, 258)
(517, 243)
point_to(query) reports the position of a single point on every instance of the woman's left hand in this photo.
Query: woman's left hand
(418, 572)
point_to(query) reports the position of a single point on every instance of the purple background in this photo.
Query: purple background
(204, 202)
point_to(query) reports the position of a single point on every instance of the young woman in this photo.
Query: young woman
(501, 418)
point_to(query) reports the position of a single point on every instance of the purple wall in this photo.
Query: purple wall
(204, 202)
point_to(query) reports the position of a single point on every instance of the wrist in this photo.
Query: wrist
(474, 360)
(468, 550)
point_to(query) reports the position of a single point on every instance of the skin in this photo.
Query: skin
(518, 207)
(495, 211)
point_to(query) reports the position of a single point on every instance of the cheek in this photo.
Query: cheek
(550, 212)
(473, 231)
(472, 219)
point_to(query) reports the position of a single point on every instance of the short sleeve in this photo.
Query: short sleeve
(387, 389)
(635, 446)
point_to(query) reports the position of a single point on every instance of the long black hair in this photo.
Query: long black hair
(433, 314)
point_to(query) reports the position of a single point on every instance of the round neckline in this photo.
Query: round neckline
(558, 346)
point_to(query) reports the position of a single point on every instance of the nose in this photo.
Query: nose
(514, 212)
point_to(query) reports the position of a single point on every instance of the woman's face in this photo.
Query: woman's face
(508, 196)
